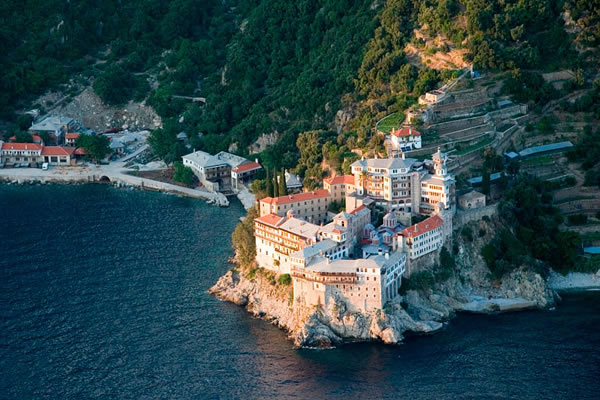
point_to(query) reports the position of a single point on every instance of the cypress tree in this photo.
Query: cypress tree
(282, 186)
(269, 184)
(275, 184)
(485, 182)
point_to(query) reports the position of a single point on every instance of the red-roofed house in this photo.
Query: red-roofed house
(311, 206)
(424, 237)
(70, 138)
(58, 155)
(20, 153)
(339, 186)
(244, 172)
(405, 139)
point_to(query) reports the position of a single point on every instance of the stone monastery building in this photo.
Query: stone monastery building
(297, 235)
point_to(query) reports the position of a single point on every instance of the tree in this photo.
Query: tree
(259, 188)
(269, 190)
(282, 186)
(183, 174)
(275, 185)
(485, 182)
(243, 239)
(163, 142)
(115, 85)
(96, 146)
(23, 137)
(24, 121)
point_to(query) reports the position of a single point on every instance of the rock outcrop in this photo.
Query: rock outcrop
(422, 311)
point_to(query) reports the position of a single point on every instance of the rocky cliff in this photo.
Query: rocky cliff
(420, 310)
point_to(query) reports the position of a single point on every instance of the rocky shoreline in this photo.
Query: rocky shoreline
(415, 312)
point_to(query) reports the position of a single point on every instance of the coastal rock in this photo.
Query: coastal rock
(326, 327)
(470, 287)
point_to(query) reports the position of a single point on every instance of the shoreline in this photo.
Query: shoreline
(574, 281)
(109, 174)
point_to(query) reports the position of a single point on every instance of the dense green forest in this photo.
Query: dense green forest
(278, 66)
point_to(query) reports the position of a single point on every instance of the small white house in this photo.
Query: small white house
(406, 139)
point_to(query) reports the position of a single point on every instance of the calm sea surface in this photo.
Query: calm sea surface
(103, 295)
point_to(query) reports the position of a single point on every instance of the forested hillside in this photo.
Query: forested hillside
(281, 66)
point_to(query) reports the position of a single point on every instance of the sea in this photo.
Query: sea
(103, 295)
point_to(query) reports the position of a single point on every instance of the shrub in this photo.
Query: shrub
(284, 279)
(115, 85)
(485, 218)
(467, 233)
(482, 232)
(421, 280)
(578, 219)
(183, 174)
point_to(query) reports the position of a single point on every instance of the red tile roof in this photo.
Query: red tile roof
(249, 166)
(57, 151)
(422, 227)
(336, 180)
(21, 146)
(357, 209)
(293, 198)
(80, 151)
(72, 135)
(269, 219)
(406, 132)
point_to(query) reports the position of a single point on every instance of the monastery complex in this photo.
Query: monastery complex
(345, 255)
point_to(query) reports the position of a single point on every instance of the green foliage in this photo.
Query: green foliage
(115, 85)
(183, 174)
(96, 146)
(282, 186)
(422, 280)
(467, 233)
(577, 219)
(259, 188)
(536, 232)
(279, 66)
(447, 266)
(270, 192)
(275, 185)
(243, 239)
(23, 137)
(336, 207)
(284, 279)
(24, 121)
(485, 182)
(587, 149)
(164, 143)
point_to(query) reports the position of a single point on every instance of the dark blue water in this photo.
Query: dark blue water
(103, 295)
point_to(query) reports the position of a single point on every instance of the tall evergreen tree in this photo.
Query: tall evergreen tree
(282, 186)
(275, 184)
(485, 182)
(269, 184)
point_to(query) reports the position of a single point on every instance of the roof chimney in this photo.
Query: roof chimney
(379, 251)
(327, 260)
(387, 255)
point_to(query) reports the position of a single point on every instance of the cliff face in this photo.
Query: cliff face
(422, 311)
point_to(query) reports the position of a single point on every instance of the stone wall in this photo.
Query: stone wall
(463, 217)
